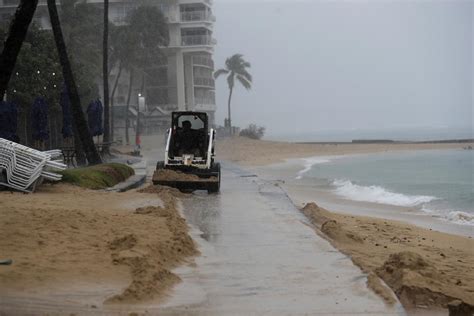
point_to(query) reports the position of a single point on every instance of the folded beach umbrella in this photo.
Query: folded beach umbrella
(67, 115)
(39, 119)
(94, 115)
(100, 110)
(8, 121)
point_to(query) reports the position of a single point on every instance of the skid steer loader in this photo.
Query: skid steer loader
(189, 155)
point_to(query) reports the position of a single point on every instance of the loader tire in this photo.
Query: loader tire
(160, 165)
(215, 187)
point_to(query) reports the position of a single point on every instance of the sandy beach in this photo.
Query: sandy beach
(427, 269)
(65, 240)
(122, 249)
(248, 152)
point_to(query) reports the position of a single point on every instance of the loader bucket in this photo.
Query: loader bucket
(189, 180)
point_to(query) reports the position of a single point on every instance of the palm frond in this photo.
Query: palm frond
(220, 72)
(244, 73)
(245, 83)
(234, 61)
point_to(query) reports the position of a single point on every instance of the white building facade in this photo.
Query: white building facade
(183, 80)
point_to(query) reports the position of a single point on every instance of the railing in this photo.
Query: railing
(10, 2)
(120, 19)
(204, 105)
(203, 61)
(195, 40)
(158, 83)
(208, 82)
(196, 16)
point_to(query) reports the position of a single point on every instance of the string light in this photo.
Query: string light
(54, 74)
(39, 71)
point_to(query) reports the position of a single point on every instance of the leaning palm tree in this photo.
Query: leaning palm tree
(79, 124)
(16, 35)
(235, 68)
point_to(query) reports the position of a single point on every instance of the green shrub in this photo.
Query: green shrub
(98, 176)
(253, 131)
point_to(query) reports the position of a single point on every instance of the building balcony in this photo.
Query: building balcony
(197, 16)
(197, 40)
(203, 61)
(14, 3)
(206, 2)
(205, 82)
(158, 84)
(206, 105)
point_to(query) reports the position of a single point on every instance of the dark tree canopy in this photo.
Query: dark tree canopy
(37, 72)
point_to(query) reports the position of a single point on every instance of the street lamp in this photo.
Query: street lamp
(141, 103)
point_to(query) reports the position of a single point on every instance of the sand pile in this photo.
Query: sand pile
(172, 175)
(423, 267)
(415, 279)
(175, 175)
(149, 262)
(162, 190)
(96, 240)
(329, 226)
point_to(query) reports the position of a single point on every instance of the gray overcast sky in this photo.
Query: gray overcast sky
(333, 65)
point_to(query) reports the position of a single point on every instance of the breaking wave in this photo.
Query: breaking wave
(309, 163)
(457, 217)
(377, 194)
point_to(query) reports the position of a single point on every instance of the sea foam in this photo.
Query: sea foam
(458, 217)
(377, 194)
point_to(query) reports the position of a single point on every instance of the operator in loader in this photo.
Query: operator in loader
(188, 140)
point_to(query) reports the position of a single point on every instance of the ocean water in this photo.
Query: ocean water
(437, 182)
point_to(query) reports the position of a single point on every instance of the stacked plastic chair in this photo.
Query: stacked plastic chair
(25, 167)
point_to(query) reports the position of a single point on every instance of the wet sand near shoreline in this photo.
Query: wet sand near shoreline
(425, 268)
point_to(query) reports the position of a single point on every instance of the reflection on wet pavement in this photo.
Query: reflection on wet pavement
(260, 256)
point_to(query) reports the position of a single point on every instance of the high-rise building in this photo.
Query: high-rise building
(183, 80)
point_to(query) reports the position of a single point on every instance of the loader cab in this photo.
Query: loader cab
(189, 134)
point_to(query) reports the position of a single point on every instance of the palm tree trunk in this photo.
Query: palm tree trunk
(16, 35)
(105, 73)
(228, 111)
(112, 96)
(127, 138)
(82, 131)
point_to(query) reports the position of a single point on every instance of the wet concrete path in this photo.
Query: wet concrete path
(260, 256)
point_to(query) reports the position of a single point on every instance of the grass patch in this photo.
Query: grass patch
(98, 176)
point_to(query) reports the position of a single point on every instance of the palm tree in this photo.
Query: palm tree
(235, 68)
(118, 44)
(16, 35)
(147, 34)
(80, 124)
